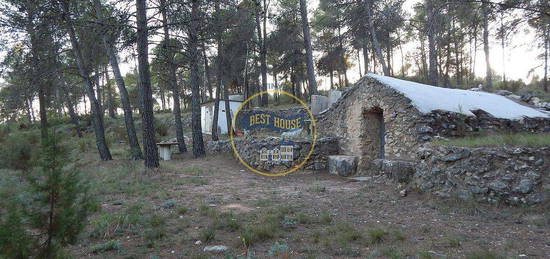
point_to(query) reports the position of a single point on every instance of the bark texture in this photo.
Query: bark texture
(149, 145)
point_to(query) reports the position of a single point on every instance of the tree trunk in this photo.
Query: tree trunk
(276, 87)
(309, 50)
(486, 47)
(198, 144)
(207, 72)
(70, 107)
(331, 79)
(546, 47)
(43, 112)
(366, 57)
(172, 79)
(28, 107)
(41, 83)
(263, 54)
(110, 98)
(375, 43)
(149, 145)
(343, 54)
(359, 63)
(433, 77)
(99, 92)
(97, 121)
(218, 73)
(135, 149)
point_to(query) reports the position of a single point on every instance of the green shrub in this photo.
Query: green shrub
(104, 247)
(377, 235)
(208, 234)
(17, 152)
(162, 127)
(325, 218)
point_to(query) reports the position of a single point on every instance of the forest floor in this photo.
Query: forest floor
(188, 204)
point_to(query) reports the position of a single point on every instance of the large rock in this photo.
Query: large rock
(342, 165)
(399, 171)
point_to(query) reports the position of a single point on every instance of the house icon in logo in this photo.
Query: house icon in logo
(281, 153)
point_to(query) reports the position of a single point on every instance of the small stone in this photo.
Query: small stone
(215, 249)
(539, 162)
(424, 129)
(497, 186)
(456, 156)
(479, 190)
(536, 198)
(525, 186)
(360, 179)
(532, 175)
(169, 205)
(426, 186)
(464, 195)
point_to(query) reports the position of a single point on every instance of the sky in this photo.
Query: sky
(519, 60)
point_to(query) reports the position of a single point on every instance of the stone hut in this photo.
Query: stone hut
(383, 118)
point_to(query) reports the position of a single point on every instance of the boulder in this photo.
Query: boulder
(215, 249)
(342, 165)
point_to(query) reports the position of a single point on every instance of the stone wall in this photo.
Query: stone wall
(512, 175)
(346, 120)
(249, 149)
(449, 124)
(405, 128)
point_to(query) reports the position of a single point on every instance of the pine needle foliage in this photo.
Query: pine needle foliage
(49, 208)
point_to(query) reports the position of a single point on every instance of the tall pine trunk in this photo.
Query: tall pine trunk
(70, 106)
(149, 145)
(84, 72)
(110, 98)
(172, 79)
(309, 50)
(546, 47)
(218, 72)
(263, 52)
(123, 92)
(486, 47)
(375, 42)
(198, 144)
(366, 57)
(433, 77)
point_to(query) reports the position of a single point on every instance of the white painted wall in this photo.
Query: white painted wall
(207, 116)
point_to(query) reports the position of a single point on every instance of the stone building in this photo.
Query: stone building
(387, 118)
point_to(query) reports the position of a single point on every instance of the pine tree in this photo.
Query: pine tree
(49, 211)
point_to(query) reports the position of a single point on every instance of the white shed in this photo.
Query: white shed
(207, 114)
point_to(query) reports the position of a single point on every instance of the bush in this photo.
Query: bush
(108, 246)
(162, 127)
(17, 152)
(51, 208)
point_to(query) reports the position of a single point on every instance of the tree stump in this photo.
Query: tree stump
(342, 165)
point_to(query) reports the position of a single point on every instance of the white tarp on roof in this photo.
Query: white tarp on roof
(427, 98)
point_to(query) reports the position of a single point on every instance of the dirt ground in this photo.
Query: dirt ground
(189, 204)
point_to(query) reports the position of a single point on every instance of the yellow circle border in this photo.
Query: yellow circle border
(293, 169)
